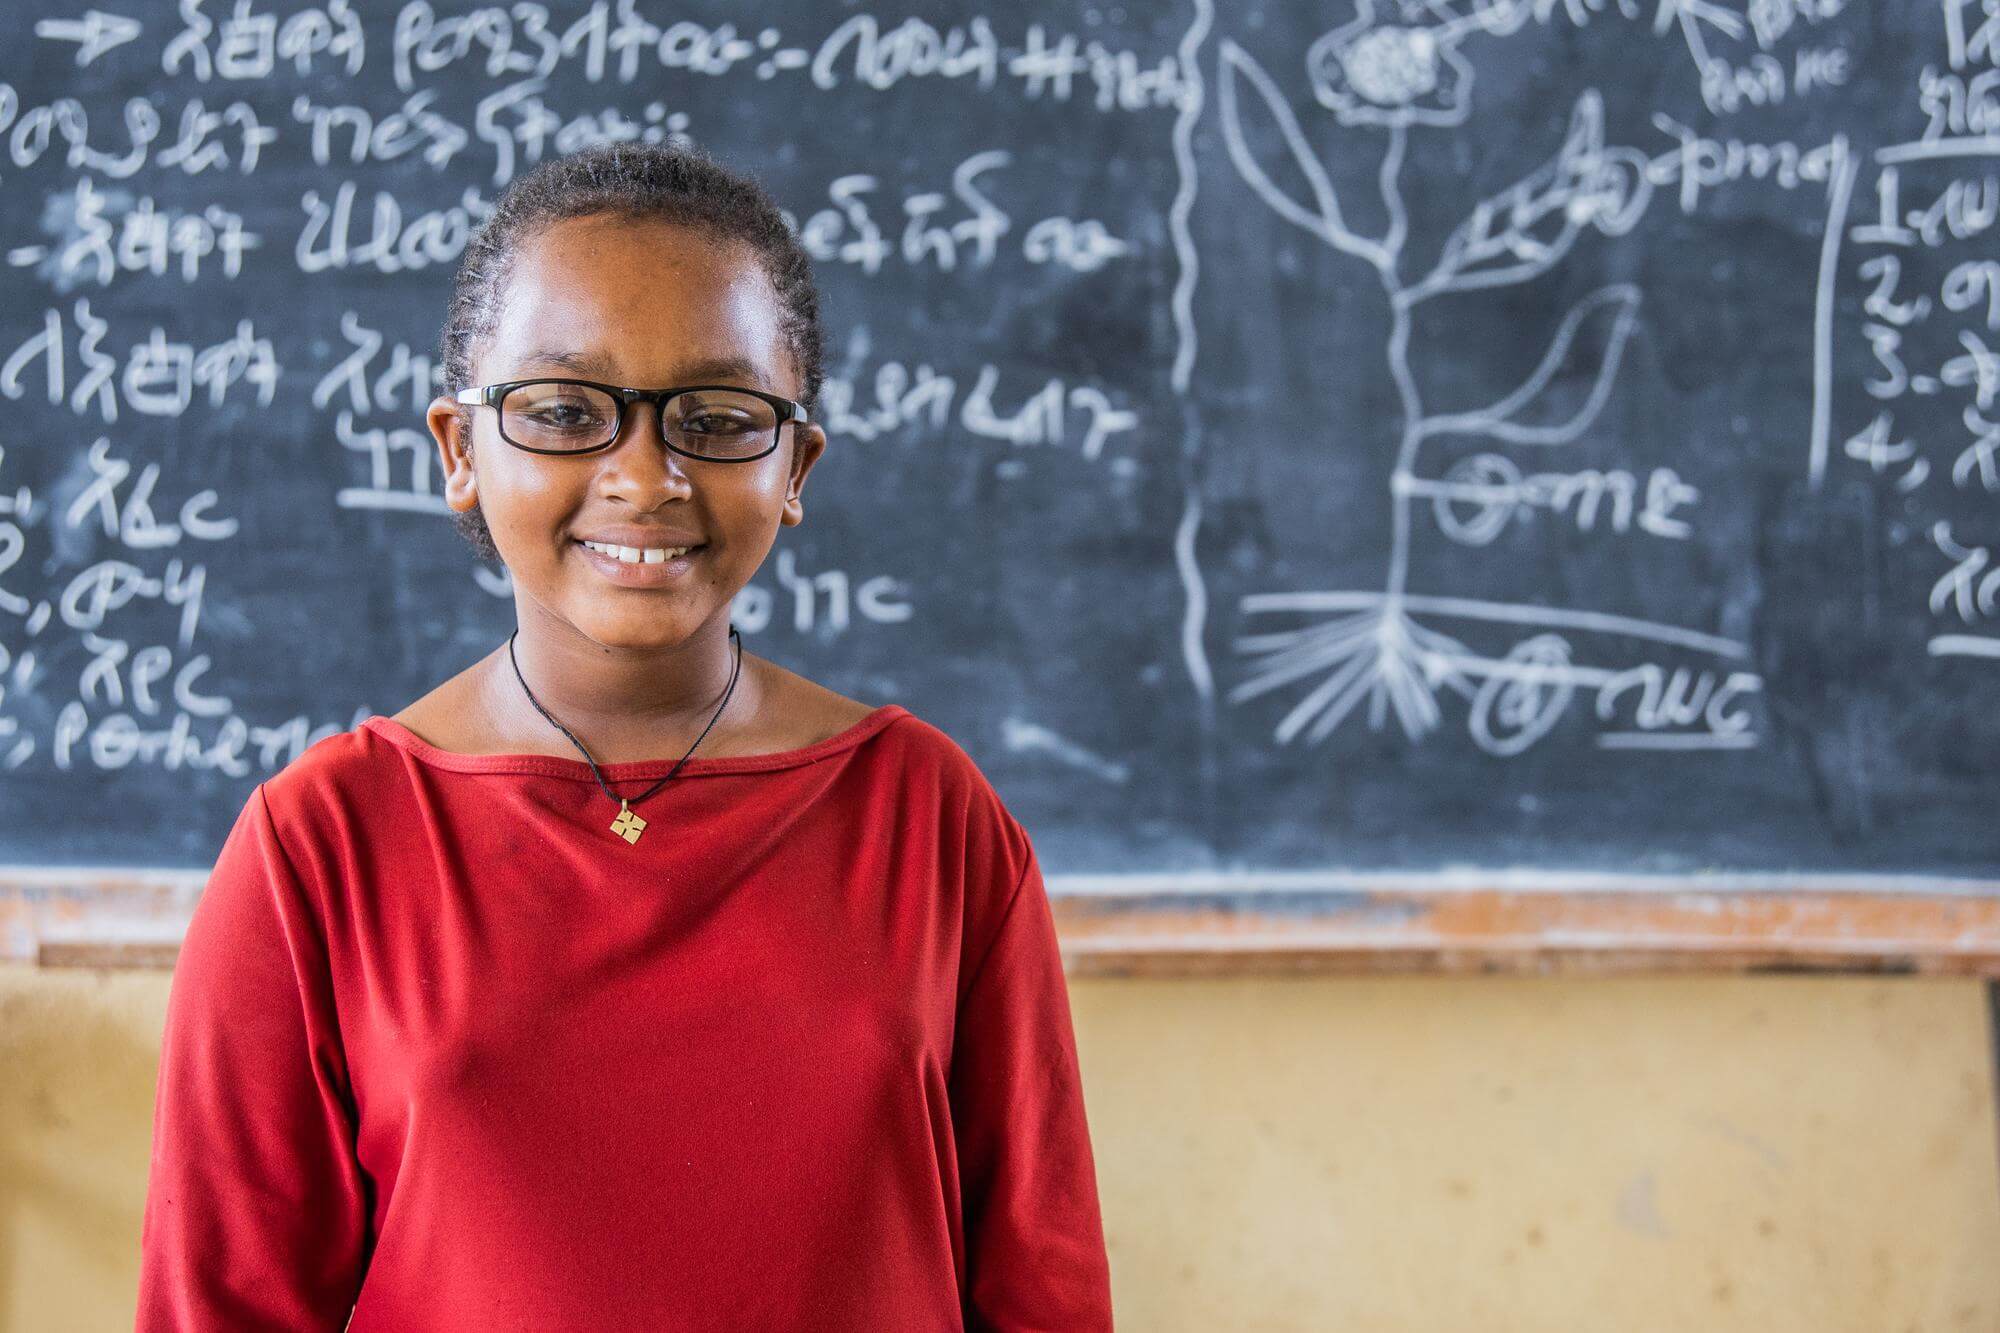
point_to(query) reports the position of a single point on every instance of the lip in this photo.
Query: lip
(640, 575)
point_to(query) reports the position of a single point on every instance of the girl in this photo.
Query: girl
(625, 980)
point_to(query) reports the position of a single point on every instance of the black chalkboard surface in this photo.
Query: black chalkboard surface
(1271, 438)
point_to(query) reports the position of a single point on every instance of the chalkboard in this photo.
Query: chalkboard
(1276, 440)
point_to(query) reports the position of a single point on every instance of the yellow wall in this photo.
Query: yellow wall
(1772, 1154)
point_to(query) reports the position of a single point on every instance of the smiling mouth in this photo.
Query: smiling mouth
(635, 555)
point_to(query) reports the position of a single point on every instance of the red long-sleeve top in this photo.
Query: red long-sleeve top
(443, 1052)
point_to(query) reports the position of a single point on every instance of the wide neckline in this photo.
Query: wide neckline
(576, 769)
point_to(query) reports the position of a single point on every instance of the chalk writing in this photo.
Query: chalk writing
(159, 376)
(825, 604)
(900, 398)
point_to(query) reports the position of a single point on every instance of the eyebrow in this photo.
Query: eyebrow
(714, 369)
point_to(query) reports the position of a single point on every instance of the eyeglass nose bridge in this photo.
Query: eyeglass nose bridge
(656, 399)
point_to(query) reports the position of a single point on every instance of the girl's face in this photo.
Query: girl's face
(646, 305)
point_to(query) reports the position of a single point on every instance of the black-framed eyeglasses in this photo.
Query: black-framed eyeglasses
(720, 423)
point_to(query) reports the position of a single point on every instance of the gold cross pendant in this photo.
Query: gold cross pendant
(628, 825)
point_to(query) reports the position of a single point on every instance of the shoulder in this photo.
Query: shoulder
(931, 771)
(985, 858)
(334, 780)
(298, 826)
(924, 750)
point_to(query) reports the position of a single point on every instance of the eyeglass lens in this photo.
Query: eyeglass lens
(708, 423)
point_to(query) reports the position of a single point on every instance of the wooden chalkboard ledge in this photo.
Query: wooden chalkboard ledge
(85, 916)
(1521, 922)
(1947, 927)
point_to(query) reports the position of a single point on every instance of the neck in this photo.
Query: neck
(623, 704)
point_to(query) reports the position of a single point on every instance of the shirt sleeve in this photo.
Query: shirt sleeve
(256, 1209)
(1034, 1240)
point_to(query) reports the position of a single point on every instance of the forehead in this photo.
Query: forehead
(635, 301)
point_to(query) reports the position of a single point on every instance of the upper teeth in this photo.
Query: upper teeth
(635, 555)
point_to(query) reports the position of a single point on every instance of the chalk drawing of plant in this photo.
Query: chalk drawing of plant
(1392, 69)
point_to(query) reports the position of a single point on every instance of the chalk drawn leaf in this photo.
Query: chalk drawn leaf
(1322, 216)
(1525, 229)
(1595, 329)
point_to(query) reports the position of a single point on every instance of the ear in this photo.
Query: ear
(451, 427)
(808, 443)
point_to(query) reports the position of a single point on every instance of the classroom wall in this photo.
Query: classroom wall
(1779, 1154)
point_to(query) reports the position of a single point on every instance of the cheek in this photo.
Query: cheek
(525, 511)
(519, 483)
(754, 500)
(773, 483)
(770, 488)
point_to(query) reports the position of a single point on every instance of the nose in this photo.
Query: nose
(638, 467)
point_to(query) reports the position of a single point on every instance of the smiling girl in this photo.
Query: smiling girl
(626, 979)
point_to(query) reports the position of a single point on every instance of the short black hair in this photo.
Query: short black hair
(672, 182)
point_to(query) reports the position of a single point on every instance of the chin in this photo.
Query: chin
(637, 631)
(634, 619)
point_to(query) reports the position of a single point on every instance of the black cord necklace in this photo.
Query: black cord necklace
(628, 825)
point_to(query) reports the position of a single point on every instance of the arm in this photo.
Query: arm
(256, 1209)
(1034, 1241)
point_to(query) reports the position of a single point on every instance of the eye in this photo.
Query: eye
(717, 421)
(564, 411)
